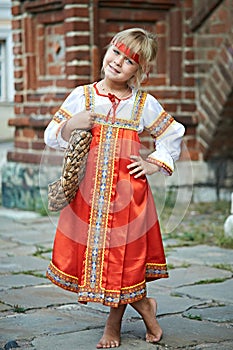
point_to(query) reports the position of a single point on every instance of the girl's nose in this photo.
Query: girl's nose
(119, 60)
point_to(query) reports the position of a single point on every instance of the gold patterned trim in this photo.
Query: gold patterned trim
(163, 165)
(62, 279)
(61, 115)
(158, 127)
(154, 270)
(137, 109)
(100, 206)
(107, 297)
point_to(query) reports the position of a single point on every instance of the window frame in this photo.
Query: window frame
(8, 70)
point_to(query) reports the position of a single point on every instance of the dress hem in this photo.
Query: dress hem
(112, 298)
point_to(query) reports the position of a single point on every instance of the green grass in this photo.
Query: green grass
(19, 309)
(40, 250)
(194, 317)
(202, 224)
(223, 267)
(214, 280)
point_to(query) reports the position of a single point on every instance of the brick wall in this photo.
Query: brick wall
(213, 49)
(59, 44)
(52, 56)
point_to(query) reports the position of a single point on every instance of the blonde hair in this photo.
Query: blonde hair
(143, 43)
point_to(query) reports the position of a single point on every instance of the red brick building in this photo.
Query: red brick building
(59, 44)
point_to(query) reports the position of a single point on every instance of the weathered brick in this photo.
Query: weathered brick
(38, 145)
(74, 2)
(28, 133)
(175, 28)
(16, 24)
(21, 157)
(22, 144)
(78, 70)
(175, 67)
(18, 74)
(76, 26)
(77, 40)
(77, 12)
(16, 10)
(18, 121)
(19, 98)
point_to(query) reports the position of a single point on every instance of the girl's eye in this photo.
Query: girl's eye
(128, 60)
(116, 51)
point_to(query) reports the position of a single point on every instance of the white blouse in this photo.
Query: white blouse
(166, 131)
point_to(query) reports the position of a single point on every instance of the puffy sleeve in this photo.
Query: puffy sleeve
(166, 131)
(74, 103)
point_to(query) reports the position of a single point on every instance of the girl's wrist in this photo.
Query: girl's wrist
(66, 131)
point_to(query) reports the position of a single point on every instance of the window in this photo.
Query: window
(3, 92)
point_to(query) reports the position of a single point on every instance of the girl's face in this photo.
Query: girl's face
(117, 66)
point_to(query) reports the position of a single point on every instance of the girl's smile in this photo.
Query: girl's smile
(118, 66)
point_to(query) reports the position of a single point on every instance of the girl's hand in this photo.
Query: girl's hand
(141, 167)
(83, 120)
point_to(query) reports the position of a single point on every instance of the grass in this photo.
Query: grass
(223, 267)
(214, 280)
(19, 309)
(40, 250)
(30, 273)
(194, 317)
(202, 224)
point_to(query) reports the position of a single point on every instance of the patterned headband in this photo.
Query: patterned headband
(126, 50)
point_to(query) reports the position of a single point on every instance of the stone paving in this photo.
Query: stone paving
(195, 305)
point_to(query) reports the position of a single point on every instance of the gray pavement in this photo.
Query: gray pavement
(195, 305)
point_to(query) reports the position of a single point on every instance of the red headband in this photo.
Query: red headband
(122, 47)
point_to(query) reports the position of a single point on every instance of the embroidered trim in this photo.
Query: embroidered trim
(137, 109)
(62, 279)
(100, 205)
(114, 298)
(122, 124)
(138, 106)
(107, 297)
(160, 124)
(154, 270)
(160, 164)
(91, 288)
(60, 127)
(61, 115)
(88, 95)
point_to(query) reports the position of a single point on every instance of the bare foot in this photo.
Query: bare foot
(154, 331)
(147, 308)
(110, 338)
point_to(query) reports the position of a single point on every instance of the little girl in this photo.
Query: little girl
(108, 242)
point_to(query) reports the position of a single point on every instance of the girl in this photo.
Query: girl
(108, 242)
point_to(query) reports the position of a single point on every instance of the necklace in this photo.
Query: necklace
(125, 93)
